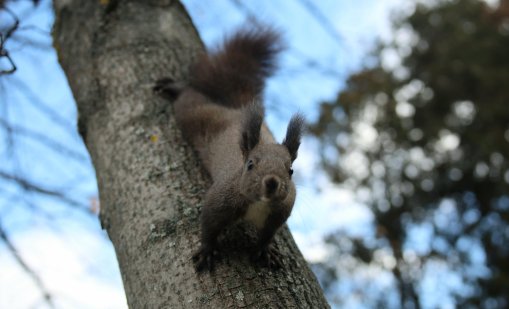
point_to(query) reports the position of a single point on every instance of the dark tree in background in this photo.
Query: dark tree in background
(425, 142)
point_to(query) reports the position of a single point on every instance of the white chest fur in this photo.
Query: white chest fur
(257, 213)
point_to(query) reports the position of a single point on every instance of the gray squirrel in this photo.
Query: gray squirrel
(220, 114)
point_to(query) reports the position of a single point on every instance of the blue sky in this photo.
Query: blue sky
(68, 250)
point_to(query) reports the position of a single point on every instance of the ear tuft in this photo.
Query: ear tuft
(251, 126)
(293, 135)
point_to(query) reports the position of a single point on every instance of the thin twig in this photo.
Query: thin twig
(3, 39)
(44, 140)
(322, 20)
(26, 185)
(35, 101)
(46, 294)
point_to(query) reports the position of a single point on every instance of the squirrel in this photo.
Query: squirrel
(219, 112)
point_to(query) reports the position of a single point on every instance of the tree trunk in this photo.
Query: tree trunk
(150, 182)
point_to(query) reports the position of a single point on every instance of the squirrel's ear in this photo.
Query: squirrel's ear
(251, 126)
(293, 135)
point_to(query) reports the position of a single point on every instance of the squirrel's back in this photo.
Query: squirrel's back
(234, 75)
(220, 105)
(219, 111)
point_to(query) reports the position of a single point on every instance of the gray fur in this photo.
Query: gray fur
(251, 172)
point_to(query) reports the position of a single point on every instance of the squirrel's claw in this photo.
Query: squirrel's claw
(168, 88)
(269, 257)
(204, 260)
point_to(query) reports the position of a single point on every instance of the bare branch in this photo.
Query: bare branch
(5, 53)
(44, 140)
(14, 27)
(321, 19)
(26, 185)
(37, 280)
(308, 62)
(34, 99)
(3, 39)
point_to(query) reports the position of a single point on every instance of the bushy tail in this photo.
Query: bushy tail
(235, 74)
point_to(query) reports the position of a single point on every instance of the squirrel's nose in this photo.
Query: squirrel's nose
(271, 184)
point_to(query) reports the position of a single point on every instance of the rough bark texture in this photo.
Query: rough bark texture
(150, 182)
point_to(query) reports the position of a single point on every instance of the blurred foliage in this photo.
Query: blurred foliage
(422, 136)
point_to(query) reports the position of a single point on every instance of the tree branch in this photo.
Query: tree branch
(321, 19)
(26, 185)
(44, 140)
(31, 273)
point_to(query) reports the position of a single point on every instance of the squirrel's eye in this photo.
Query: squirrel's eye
(250, 165)
(290, 171)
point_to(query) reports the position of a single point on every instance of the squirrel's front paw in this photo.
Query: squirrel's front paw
(204, 259)
(268, 257)
(168, 88)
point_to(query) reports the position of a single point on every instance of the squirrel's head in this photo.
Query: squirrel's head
(267, 171)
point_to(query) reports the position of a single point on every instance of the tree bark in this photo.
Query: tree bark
(150, 182)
